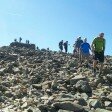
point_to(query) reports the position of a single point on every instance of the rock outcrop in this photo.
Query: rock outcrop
(18, 44)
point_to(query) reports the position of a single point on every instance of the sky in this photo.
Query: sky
(46, 22)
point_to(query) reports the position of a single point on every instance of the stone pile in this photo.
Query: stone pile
(49, 81)
(18, 44)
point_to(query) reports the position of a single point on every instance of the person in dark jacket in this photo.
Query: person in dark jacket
(66, 46)
(78, 43)
(61, 45)
(20, 39)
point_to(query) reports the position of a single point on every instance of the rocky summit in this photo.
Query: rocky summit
(49, 81)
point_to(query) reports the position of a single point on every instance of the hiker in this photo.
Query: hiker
(15, 40)
(74, 50)
(84, 50)
(78, 43)
(66, 46)
(20, 39)
(61, 45)
(98, 48)
(37, 48)
(28, 41)
(48, 49)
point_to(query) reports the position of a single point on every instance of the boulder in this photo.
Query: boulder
(109, 77)
(83, 86)
(69, 106)
(95, 103)
(17, 44)
(77, 78)
(102, 110)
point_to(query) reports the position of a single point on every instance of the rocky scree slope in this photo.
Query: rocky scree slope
(50, 81)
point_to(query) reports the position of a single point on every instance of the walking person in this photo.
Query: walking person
(74, 50)
(61, 45)
(98, 49)
(85, 51)
(78, 43)
(26, 41)
(20, 39)
(66, 46)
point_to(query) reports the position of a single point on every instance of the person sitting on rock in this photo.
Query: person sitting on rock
(84, 50)
(61, 45)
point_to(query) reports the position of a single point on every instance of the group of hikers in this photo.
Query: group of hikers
(82, 48)
(20, 39)
(65, 44)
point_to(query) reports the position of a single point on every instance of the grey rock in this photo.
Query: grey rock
(64, 111)
(6, 83)
(3, 88)
(8, 94)
(16, 70)
(82, 102)
(46, 108)
(69, 106)
(72, 64)
(83, 86)
(108, 104)
(36, 79)
(32, 109)
(2, 71)
(109, 77)
(109, 108)
(1, 93)
(76, 79)
(65, 97)
(98, 81)
(84, 96)
(102, 110)
(95, 103)
(17, 44)
(2, 99)
(110, 96)
(25, 105)
(37, 86)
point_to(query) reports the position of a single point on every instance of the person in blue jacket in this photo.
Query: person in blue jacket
(85, 50)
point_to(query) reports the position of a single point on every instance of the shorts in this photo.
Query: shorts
(85, 55)
(99, 56)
